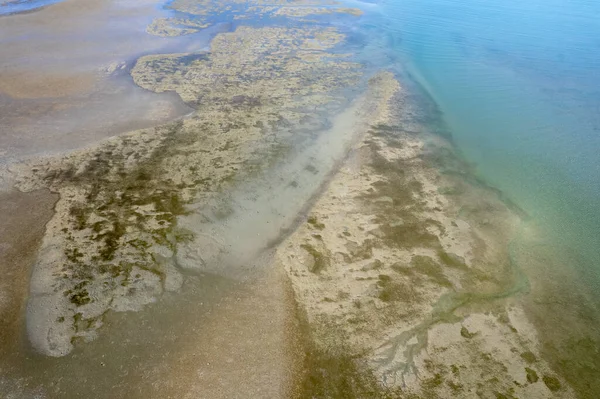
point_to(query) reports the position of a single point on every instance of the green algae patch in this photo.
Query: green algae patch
(81, 297)
(122, 205)
(320, 260)
(529, 357)
(532, 376)
(391, 290)
(408, 235)
(500, 395)
(465, 333)
(429, 267)
(395, 292)
(552, 383)
(331, 375)
(451, 260)
(335, 371)
(171, 27)
(115, 226)
(313, 221)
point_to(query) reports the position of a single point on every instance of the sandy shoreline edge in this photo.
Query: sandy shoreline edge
(405, 278)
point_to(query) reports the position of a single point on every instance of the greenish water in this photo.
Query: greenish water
(518, 89)
(515, 86)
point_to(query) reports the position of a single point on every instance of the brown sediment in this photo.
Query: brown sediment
(59, 92)
(24, 216)
(23, 81)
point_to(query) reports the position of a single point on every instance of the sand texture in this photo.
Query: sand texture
(113, 241)
(405, 279)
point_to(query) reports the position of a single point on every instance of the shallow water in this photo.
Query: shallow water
(518, 88)
(17, 6)
(51, 103)
(515, 86)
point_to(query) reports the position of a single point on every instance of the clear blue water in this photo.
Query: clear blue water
(518, 84)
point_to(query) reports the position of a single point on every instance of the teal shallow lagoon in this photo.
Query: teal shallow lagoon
(515, 85)
(518, 87)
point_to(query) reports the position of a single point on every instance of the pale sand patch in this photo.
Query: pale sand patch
(63, 82)
(55, 51)
(297, 12)
(171, 27)
(21, 81)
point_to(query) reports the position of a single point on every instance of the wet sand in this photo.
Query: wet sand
(72, 29)
(217, 337)
(24, 217)
(199, 334)
(59, 92)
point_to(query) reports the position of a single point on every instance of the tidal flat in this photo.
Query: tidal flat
(293, 228)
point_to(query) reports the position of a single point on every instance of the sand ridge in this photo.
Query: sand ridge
(406, 281)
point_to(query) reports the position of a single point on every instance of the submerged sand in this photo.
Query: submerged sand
(405, 277)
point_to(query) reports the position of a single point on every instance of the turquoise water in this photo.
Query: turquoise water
(518, 84)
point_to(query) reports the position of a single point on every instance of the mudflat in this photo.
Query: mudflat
(24, 217)
(211, 199)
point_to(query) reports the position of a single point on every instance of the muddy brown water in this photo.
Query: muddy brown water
(64, 80)
(23, 217)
